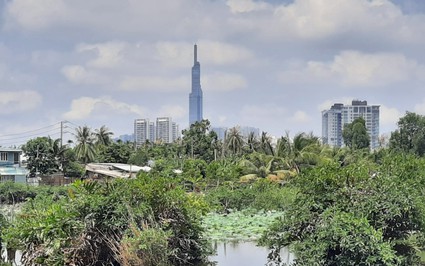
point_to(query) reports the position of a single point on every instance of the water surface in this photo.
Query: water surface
(245, 253)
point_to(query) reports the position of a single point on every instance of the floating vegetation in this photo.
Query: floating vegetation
(245, 225)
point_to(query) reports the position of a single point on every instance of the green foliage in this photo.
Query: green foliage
(360, 214)
(223, 170)
(146, 247)
(260, 195)
(355, 134)
(85, 149)
(94, 222)
(410, 135)
(245, 225)
(199, 142)
(42, 153)
(115, 152)
(155, 151)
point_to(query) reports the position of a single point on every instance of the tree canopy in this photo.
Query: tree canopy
(410, 135)
(355, 134)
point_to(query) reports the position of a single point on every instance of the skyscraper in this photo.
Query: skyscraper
(143, 131)
(195, 97)
(166, 130)
(334, 119)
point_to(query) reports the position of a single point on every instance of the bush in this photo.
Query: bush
(350, 216)
(100, 222)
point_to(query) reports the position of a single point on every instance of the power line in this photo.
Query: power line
(29, 136)
(25, 132)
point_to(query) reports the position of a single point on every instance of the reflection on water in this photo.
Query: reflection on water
(245, 253)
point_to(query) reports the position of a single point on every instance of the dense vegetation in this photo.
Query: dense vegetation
(345, 206)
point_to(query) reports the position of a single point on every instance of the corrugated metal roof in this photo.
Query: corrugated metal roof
(115, 169)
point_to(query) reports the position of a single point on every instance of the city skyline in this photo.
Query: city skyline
(270, 64)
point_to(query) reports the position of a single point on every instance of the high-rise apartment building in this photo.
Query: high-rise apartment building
(334, 119)
(143, 131)
(195, 97)
(164, 129)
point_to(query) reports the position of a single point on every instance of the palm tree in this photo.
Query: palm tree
(85, 148)
(252, 142)
(57, 151)
(266, 144)
(304, 150)
(103, 136)
(234, 141)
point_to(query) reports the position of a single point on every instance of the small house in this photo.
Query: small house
(10, 166)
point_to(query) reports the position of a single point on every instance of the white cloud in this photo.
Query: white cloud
(321, 18)
(420, 108)
(301, 117)
(158, 84)
(86, 107)
(262, 112)
(389, 116)
(242, 6)
(223, 82)
(80, 75)
(353, 68)
(108, 54)
(174, 111)
(180, 54)
(35, 14)
(19, 101)
(326, 105)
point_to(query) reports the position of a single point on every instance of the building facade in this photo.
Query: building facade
(142, 132)
(10, 166)
(165, 130)
(334, 119)
(195, 96)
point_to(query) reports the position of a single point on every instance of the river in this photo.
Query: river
(245, 253)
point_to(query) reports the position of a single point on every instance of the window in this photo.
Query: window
(3, 156)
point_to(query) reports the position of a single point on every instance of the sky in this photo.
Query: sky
(270, 64)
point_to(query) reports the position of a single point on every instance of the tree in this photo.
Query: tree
(302, 150)
(355, 134)
(103, 136)
(85, 149)
(234, 141)
(116, 152)
(58, 151)
(199, 142)
(410, 135)
(266, 144)
(346, 216)
(252, 142)
(41, 156)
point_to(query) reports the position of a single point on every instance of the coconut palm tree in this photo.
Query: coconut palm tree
(103, 136)
(304, 150)
(85, 148)
(57, 151)
(266, 144)
(252, 142)
(234, 141)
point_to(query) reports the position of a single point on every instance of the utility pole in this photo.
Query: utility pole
(62, 133)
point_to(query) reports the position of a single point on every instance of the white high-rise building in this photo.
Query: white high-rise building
(166, 130)
(143, 131)
(334, 119)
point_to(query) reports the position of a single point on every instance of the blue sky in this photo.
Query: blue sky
(270, 64)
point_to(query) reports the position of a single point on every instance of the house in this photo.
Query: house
(113, 170)
(10, 166)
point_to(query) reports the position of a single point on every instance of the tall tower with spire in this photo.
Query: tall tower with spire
(195, 97)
